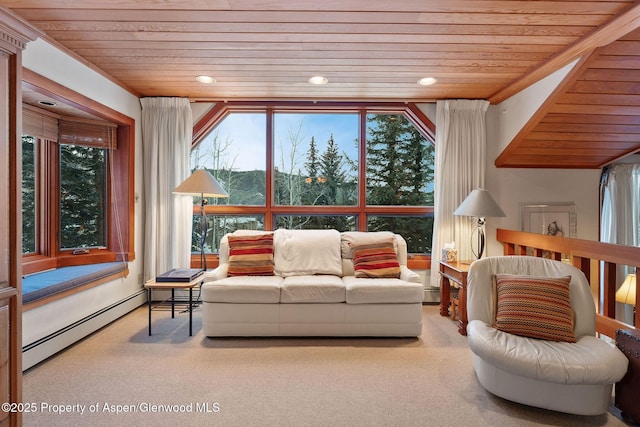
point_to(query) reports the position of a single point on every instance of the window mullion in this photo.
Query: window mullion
(53, 199)
(268, 217)
(42, 190)
(362, 171)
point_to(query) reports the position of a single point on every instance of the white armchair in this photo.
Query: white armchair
(568, 377)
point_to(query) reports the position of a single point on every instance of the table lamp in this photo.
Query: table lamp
(481, 205)
(626, 294)
(201, 183)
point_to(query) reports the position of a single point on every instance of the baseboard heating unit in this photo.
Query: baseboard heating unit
(46, 347)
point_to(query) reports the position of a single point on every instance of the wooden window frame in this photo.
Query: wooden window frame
(120, 237)
(220, 110)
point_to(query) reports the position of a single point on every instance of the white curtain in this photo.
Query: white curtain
(621, 205)
(460, 154)
(167, 127)
(620, 217)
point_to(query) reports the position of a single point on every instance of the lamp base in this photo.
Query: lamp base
(481, 239)
(203, 257)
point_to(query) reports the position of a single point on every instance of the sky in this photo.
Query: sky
(247, 131)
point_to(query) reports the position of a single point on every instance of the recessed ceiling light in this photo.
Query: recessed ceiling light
(427, 81)
(205, 79)
(47, 103)
(318, 80)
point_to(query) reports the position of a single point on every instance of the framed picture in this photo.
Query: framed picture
(553, 219)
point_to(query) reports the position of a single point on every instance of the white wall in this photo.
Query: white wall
(46, 60)
(514, 112)
(511, 187)
(198, 109)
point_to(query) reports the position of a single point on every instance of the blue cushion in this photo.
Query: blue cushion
(40, 285)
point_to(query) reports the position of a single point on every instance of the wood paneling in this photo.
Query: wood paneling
(368, 49)
(592, 119)
(5, 348)
(14, 35)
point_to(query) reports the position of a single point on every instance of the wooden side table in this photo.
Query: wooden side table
(455, 272)
(153, 284)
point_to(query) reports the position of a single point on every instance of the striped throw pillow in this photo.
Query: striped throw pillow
(251, 255)
(536, 307)
(375, 259)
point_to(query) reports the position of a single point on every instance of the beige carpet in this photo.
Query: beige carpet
(270, 382)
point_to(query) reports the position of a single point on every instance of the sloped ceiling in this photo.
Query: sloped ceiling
(593, 117)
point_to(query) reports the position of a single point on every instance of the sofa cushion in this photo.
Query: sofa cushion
(385, 290)
(536, 307)
(251, 255)
(317, 289)
(375, 259)
(243, 289)
(349, 237)
(306, 252)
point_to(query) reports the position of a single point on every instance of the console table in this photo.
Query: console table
(455, 272)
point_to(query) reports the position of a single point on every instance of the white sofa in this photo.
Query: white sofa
(313, 291)
(569, 377)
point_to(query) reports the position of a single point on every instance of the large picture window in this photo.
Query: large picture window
(65, 194)
(348, 167)
(77, 181)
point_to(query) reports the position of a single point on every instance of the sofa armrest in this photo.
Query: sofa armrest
(217, 273)
(409, 275)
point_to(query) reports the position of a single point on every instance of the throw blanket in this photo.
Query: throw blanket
(300, 252)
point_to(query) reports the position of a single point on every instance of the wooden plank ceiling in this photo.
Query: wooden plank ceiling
(367, 49)
(593, 117)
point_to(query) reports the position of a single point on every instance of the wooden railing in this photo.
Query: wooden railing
(598, 261)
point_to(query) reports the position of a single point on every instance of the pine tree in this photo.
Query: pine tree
(399, 172)
(312, 189)
(417, 163)
(312, 159)
(398, 163)
(332, 178)
(82, 196)
(384, 169)
(332, 174)
(29, 194)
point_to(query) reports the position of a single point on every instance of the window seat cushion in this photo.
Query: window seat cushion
(46, 283)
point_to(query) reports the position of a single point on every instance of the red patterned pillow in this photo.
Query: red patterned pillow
(375, 259)
(536, 307)
(251, 255)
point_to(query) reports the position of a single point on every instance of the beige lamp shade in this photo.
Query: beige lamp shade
(201, 183)
(626, 294)
(480, 204)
